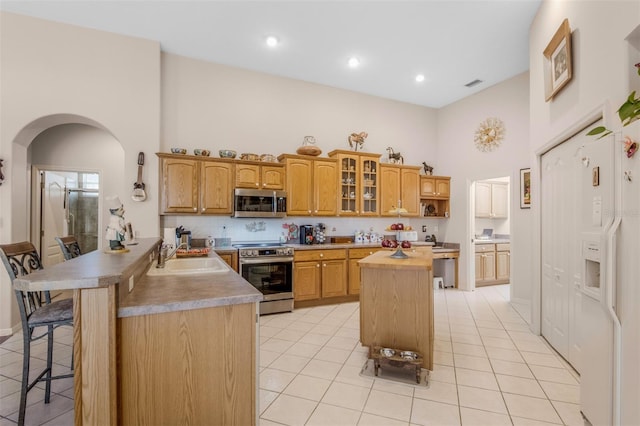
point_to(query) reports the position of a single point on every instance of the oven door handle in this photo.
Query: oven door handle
(265, 260)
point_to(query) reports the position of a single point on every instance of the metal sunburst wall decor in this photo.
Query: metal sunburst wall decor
(489, 134)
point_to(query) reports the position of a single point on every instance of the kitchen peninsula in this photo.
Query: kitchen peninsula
(396, 302)
(157, 349)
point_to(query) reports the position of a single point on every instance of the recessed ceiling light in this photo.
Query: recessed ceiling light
(420, 78)
(354, 62)
(272, 41)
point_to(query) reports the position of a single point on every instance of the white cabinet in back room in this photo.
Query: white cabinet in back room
(492, 200)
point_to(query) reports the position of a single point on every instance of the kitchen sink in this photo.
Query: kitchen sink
(191, 266)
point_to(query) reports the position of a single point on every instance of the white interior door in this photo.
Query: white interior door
(560, 249)
(53, 217)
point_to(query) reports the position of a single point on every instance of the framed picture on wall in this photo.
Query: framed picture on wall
(525, 188)
(557, 61)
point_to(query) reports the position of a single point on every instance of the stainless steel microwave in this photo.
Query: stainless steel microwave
(259, 203)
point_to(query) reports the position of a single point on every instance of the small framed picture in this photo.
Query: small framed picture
(525, 188)
(557, 61)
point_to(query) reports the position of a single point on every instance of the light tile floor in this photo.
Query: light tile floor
(489, 370)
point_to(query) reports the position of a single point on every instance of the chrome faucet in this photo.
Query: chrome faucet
(163, 254)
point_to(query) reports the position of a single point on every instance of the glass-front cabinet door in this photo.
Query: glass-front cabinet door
(369, 193)
(358, 183)
(349, 181)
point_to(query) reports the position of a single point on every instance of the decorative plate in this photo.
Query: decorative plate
(489, 134)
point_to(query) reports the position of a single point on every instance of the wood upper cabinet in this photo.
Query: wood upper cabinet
(180, 185)
(434, 195)
(216, 187)
(492, 200)
(435, 187)
(310, 185)
(195, 186)
(251, 175)
(399, 187)
(358, 183)
(410, 190)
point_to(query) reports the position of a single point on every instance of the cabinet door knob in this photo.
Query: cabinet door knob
(317, 265)
(257, 184)
(321, 254)
(316, 211)
(195, 209)
(264, 184)
(203, 209)
(324, 265)
(309, 211)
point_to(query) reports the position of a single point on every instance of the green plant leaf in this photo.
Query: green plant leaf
(607, 133)
(628, 110)
(597, 131)
(632, 97)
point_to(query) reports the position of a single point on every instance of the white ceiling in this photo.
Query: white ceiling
(451, 42)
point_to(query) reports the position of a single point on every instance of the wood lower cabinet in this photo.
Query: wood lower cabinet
(260, 176)
(503, 262)
(356, 254)
(492, 264)
(192, 367)
(191, 185)
(231, 258)
(311, 185)
(319, 274)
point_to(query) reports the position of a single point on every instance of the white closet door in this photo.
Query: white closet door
(560, 245)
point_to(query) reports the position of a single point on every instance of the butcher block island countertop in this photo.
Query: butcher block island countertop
(396, 302)
(172, 350)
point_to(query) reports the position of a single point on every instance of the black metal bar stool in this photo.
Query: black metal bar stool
(69, 246)
(36, 310)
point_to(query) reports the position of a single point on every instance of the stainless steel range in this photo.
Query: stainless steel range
(268, 266)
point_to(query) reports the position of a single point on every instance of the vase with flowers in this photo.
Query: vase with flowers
(628, 112)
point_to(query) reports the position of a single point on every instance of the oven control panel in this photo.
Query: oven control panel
(266, 252)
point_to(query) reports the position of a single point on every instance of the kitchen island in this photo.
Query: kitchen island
(161, 349)
(396, 302)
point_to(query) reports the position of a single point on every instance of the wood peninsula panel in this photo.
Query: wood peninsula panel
(396, 303)
(94, 331)
(189, 367)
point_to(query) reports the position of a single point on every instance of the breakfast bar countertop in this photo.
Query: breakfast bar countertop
(95, 269)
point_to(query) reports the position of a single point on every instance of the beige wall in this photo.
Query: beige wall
(206, 105)
(54, 74)
(459, 158)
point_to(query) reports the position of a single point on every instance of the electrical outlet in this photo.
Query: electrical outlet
(424, 228)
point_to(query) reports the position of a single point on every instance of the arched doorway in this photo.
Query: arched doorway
(81, 160)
